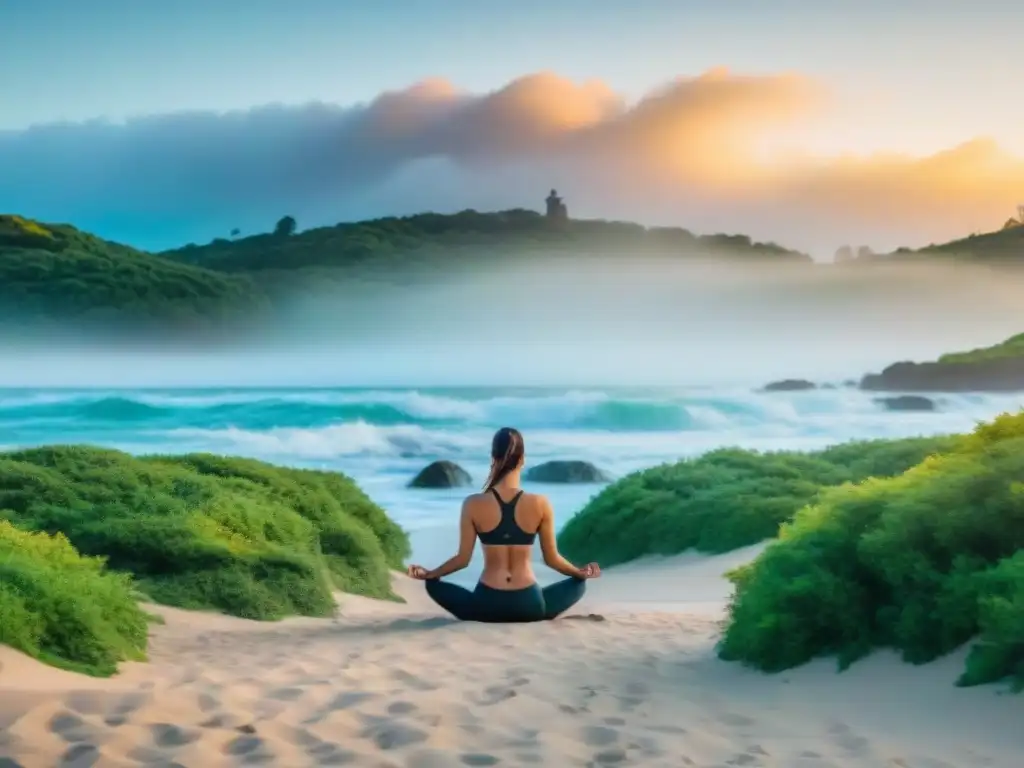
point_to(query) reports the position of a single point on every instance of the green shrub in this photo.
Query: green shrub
(207, 532)
(66, 609)
(922, 563)
(725, 499)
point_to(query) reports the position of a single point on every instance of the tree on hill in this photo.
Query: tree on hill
(285, 226)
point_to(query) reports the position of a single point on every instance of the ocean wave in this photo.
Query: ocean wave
(326, 443)
(354, 412)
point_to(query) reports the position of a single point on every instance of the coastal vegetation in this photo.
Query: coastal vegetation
(921, 562)
(998, 368)
(725, 499)
(55, 273)
(65, 609)
(85, 531)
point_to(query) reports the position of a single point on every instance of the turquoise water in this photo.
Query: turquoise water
(382, 437)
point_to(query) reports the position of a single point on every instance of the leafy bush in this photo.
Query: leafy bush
(66, 609)
(208, 532)
(725, 499)
(922, 562)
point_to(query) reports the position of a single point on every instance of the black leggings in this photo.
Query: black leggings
(506, 605)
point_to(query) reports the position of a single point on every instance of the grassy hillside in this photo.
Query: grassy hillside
(428, 239)
(999, 368)
(1013, 347)
(208, 532)
(922, 562)
(1003, 246)
(56, 273)
(725, 499)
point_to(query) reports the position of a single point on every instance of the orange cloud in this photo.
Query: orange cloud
(695, 152)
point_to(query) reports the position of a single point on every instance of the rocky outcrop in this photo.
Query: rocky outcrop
(566, 472)
(907, 403)
(789, 385)
(1005, 374)
(441, 474)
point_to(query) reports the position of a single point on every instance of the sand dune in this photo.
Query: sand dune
(401, 685)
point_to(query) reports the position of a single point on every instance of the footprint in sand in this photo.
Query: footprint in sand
(598, 735)
(168, 736)
(495, 695)
(72, 728)
(151, 758)
(401, 708)
(80, 756)
(613, 756)
(328, 753)
(479, 759)
(433, 758)
(392, 734)
(251, 750)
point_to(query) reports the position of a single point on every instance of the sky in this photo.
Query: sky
(814, 124)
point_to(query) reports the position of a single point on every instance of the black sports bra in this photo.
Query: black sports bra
(507, 531)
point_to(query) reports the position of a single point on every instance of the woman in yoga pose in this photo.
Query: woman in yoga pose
(506, 520)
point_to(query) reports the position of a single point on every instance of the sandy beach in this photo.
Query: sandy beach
(629, 678)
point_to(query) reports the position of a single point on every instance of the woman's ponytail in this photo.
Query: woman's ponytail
(507, 452)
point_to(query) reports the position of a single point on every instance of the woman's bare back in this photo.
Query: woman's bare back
(507, 566)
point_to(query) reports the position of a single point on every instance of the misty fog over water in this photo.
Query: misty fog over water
(573, 322)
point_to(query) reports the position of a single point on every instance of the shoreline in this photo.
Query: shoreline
(389, 684)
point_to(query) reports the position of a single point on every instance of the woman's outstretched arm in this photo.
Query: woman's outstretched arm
(549, 547)
(467, 543)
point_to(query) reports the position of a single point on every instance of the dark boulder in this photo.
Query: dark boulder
(789, 385)
(907, 403)
(441, 474)
(566, 472)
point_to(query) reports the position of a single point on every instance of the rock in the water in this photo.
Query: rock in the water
(566, 472)
(441, 474)
(790, 385)
(907, 403)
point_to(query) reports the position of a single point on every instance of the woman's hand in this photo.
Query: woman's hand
(417, 572)
(591, 571)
